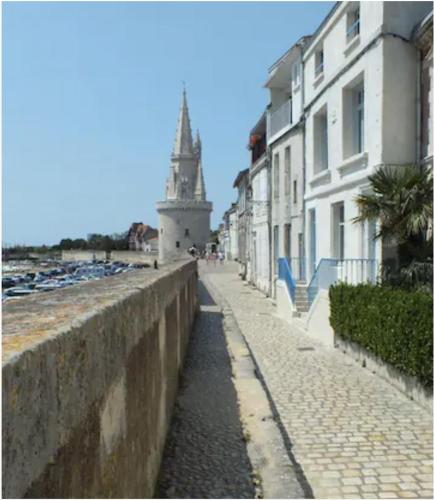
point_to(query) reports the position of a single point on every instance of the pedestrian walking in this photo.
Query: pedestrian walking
(221, 257)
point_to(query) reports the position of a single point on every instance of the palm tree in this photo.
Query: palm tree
(402, 201)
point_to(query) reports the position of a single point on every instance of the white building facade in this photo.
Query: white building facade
(360, 104)
(285, 138)
(260, 269)
(185, 214)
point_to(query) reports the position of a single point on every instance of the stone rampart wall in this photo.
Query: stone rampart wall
(133, 257)
(76, 255)
(129, 256)
(90, 375)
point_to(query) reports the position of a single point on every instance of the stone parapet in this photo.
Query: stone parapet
(90, 375)
(184, 205)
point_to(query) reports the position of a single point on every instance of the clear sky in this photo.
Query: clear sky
(91, 93)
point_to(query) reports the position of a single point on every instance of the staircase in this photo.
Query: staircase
(301, 300)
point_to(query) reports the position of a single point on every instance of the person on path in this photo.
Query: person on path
(221, 257)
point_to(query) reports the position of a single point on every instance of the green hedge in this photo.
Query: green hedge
(395, 325)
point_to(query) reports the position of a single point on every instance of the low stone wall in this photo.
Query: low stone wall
(76, 255)
(115, 255)
(90, 376)
(133, 257)
(410, 386)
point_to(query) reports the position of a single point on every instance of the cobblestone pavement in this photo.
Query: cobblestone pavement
(205, 454)
(353, 434)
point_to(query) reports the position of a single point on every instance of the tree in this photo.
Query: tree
(402, 202)
(65, 244)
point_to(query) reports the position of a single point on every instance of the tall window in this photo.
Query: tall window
(353, 107)
(359, 97)
(287, 170)
(319, 61)
(276, 248)
(276, 175)
(338, 225)
(320, 137)
(294, 196)
(296, 74)
(287, 241)
(353, 23)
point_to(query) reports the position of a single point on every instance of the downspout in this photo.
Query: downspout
(303, 118)
(418, 158)
(270, 257)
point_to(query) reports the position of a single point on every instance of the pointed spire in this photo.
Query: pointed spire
(197, 145)
(183, 140)
(199, 192)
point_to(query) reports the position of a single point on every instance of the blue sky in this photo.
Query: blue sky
(91, 93)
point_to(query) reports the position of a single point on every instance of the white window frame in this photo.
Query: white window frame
(353, 23)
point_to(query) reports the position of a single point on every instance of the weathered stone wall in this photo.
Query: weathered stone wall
(90, 375)
(133, 257)
(76, 255)
(115, 255)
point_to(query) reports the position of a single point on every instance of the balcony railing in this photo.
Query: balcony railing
(330, 271)
(281, 117)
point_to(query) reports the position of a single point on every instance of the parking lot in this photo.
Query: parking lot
(60, 274)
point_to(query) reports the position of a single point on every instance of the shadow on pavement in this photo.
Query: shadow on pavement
(205, 298)
(205, 454)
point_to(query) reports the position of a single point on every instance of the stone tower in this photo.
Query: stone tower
(185, 213)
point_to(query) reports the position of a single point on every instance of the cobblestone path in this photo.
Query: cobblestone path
(205, 454)
(353, 434)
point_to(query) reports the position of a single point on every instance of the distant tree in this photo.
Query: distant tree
(79, 244)
(214, 236)
(65, 244)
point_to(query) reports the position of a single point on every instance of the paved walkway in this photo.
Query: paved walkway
(205, 454)
(353, 434)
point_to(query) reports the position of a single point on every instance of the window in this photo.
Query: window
(359, 98)
(161, 230)
(177, 244)
(187, 233)
(287, 170)
(338, 225)
(296, 74)
(276, 176)
(287, 241)
(276, 248)
(353, 119)
(319, 61)
(353, 23)
(320, 137)
(294, 188)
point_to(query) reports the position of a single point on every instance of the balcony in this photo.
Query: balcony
(281, 118)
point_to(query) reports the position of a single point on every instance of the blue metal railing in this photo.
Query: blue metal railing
(286, 276)
(330, 271)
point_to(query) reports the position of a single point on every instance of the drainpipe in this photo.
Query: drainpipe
(270, 255)
(419, 63)
(303, 119)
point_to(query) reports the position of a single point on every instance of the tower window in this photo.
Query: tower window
(187, 233)
(177, 244)
(161, 230)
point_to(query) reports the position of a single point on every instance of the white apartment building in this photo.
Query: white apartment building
(260, 206)
(230, 235)
(285, 138)
(360, 103)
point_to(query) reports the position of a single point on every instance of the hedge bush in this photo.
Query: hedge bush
(395, 325)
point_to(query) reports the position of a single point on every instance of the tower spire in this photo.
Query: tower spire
(197, 145)
(183, 139)
(199, 191)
